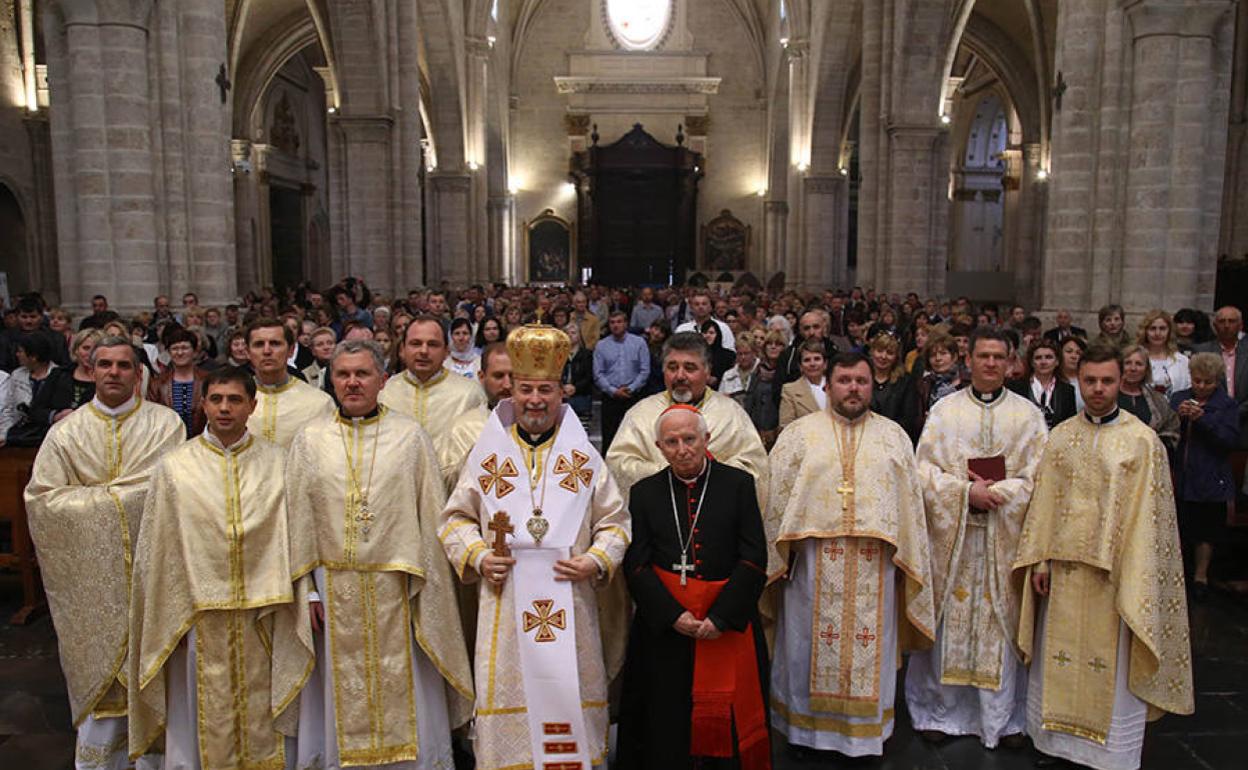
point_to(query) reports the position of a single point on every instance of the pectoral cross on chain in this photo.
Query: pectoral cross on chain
(684, 568)
(846, 491)
(364, 516)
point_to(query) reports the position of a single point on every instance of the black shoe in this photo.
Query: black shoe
(1044, 760)
(1013, 741)
(934, 737)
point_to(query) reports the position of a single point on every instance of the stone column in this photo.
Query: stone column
(362, 198)
(101, 138)
(45, 268)
(1024, 234)
(449, 237)
(1179, 86)
(502, 233)
(775, 221)
(826, 200)
(478, 60)
(917, 211)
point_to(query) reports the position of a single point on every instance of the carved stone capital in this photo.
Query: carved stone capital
(637, 85)
(1176, 18)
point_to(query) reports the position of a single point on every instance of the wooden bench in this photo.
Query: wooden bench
(16, 464)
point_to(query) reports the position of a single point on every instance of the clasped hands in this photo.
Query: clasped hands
(690, 626)
(983, 496)
(574, 570)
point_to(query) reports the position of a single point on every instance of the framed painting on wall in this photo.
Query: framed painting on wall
(548, 249)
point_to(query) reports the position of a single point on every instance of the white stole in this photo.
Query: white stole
(543, 609)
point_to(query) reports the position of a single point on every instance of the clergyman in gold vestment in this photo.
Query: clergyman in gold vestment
(85, 502)
(972, 681)
(284, 403)
(1106, 630)
(541, 667)
(364, 493)
(848, 511)
(217, 647)
(427, 390)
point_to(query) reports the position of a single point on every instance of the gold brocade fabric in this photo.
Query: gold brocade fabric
(972, 552)
(435, 404)
(342, 521)
(1103, 499)
(84, 503)
(502, 726)
(882, 517)
(213, 553)
(457, 443)
(281, 411)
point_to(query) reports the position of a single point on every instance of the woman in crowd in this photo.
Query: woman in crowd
(762, 401)
(1137, 396)
(464, 358)
(1204, 484)
(60, 322)
(941, 374)
(491, 330)
(1042, 386)
(893, 393)
(1073, 349)
(1111, 319)
(1169, 366)
(1191, 328)
(559, 317)
(578, 375)
(914, 356)
(514, 316)
(722, 359)
(384, 337)
(807, 393)
(656, 334)
(177, 387)
(35, 369)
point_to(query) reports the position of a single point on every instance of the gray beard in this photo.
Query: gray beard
(682, 395)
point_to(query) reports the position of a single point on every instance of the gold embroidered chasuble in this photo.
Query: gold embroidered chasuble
(84, 503)
(855, 488)
(457, 443)
(364, 498)
(1103, 518)
(282, 410)
(213, 555)
(436, 403)
(502, 725)
(972, 553)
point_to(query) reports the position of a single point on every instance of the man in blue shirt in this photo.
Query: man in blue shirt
(621, 367)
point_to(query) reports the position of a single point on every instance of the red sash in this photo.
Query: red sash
(725, 683)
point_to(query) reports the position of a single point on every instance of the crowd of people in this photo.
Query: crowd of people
(948, 439)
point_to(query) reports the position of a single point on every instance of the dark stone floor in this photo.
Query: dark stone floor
(35, 725)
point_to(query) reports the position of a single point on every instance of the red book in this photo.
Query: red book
(991, 469)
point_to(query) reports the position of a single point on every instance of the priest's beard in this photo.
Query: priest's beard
(850, 410)
(535, 423)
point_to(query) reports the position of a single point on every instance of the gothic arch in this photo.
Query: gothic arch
(19, 247)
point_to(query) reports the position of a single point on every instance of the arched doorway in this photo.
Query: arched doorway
(14, 258)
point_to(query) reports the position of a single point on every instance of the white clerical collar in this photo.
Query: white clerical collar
(1106, 419)
(109, 411)
(211, 438)
(696, 476)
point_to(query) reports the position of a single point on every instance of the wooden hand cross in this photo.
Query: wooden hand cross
(501, 526)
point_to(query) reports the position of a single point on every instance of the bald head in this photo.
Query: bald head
(1228, 322)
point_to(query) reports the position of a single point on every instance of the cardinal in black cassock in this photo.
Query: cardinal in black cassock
(695, 679)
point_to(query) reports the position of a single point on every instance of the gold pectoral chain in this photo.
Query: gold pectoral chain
(364, 516)
(848, 443)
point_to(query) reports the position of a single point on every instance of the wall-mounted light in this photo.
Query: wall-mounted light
(472, 165)
(569, 188)
(332, 110)
(946, 119)
(844, 171)
(784, 42)
(761, 192)
(491, 40)
(1041, 175)
(803, 167)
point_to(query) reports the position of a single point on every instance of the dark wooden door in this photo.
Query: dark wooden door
(639, 199)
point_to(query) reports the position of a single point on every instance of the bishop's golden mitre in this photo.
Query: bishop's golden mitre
(538, 351)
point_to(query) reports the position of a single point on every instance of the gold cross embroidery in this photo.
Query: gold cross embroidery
(544, 620)
(1062, 658)
(574, 471)
(497, 477)
(1097, 665)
